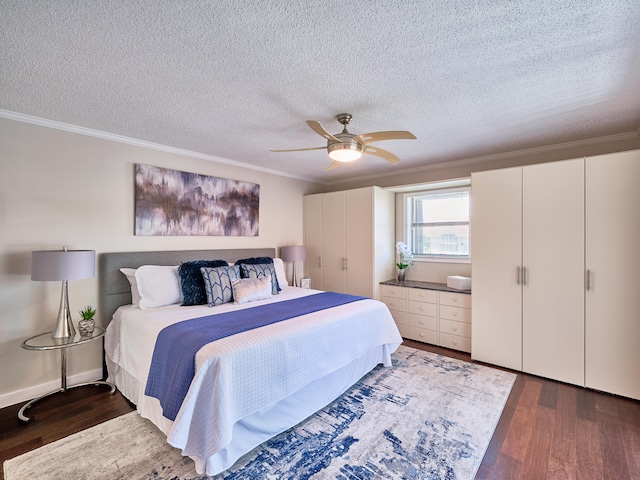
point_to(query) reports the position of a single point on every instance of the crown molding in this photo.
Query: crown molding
(499, 156)
(67, 127)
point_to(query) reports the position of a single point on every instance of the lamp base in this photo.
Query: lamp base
(64, 327)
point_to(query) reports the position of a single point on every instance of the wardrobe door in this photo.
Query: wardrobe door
(553, 266)
(613, 293)
(496, 246)
(313, 239)
(359, 213)
(333, 243)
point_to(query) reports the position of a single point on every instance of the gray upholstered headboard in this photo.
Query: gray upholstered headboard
(115, 289)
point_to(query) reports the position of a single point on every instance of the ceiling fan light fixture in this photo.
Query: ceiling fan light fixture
(345, 152)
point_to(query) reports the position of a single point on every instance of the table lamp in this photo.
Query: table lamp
(63, 265)
(293, 253)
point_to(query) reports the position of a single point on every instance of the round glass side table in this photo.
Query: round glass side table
(45, 342)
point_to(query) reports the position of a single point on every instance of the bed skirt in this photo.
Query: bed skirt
(256, 428)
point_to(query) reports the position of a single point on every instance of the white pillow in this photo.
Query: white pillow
(130, 273)
(280, 273)
(158, 286)
(251, 289)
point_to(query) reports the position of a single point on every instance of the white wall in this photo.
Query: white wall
(60, 188)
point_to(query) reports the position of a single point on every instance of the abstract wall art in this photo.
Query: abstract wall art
(175, 203)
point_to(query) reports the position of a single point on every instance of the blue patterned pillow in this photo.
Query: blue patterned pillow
(217, 283)
(260, 270)
(192, 283)
(254, 260)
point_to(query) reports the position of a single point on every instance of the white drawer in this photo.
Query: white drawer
(455, 328)
(422, 321)
(422, 335)
(423, 295)
(404, 331)
(455, 313)
(393, 291)
(422, 308)
(455, 299)
(455, 342)
(399, 317)
(395, 303)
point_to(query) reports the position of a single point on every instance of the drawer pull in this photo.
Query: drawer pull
(454, 314)
(421, 322)
(454, 299)
(455, 329)
(454, 342)
(421, 309)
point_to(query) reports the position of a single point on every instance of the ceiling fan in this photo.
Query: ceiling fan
(346, 147)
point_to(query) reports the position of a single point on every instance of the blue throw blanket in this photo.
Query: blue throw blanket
(173, 362)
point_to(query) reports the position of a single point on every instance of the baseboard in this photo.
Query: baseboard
(21, 396)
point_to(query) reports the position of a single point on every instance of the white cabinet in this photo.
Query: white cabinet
(431, 316)
(423, 315)
(613, 294)
(555, 270)
(396, 300)
(527, 232)
(349, 237)
(455, 320)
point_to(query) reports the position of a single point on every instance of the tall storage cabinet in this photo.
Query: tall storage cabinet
(527, 227)
(613, 287)
(574, 292)
(349, 237)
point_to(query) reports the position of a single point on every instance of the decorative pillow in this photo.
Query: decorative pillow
(217, 283)
(158, 286)
(281, 276)
(251, 289)
(260, 270)
(130, 273)
(192, 282)
(254, 260)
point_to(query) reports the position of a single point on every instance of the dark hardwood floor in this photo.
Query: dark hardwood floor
(548, 430)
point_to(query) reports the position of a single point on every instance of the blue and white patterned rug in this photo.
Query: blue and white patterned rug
(427, 417)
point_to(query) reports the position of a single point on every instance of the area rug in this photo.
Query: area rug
(427, 417)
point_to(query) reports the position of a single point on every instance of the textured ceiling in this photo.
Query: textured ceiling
(234, 79)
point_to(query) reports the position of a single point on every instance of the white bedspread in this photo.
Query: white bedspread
(245, 373)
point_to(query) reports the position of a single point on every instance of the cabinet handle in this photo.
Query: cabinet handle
(454, 314)
(588, 280)
(319, 261)
(455, 329)
(525, 276)
(518, 275)
(344, 263)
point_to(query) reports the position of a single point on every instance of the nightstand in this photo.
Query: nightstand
(45, 342)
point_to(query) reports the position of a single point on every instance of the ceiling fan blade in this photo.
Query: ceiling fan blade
(379, 152)
(299, 149)
(319, 129)
(390, 135)
(332, 166)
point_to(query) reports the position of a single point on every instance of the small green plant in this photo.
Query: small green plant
(88, 312)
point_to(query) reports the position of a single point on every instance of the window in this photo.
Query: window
(437, 223)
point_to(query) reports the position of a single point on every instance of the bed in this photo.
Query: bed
(251, 385)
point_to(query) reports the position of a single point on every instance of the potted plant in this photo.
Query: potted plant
(87, 324)
(406, 259)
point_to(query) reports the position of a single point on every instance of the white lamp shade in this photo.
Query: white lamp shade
(293, 253)
(50, 265)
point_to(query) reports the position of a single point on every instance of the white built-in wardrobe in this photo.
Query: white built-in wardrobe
(556, 270)
(349, 240)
